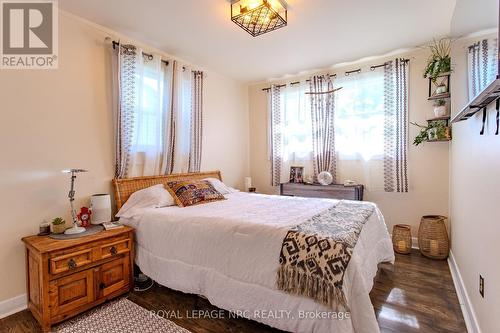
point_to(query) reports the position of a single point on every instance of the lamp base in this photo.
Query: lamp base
(74, 230)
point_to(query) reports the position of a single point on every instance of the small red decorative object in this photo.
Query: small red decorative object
(84, 216)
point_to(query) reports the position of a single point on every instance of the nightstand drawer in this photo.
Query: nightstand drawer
(70, 261)
(114, 248)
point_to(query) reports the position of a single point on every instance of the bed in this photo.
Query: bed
(228, 251)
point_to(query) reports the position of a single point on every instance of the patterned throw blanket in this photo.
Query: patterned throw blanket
(315, 254)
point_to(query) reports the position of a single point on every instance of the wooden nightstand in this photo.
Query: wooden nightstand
(67, 277)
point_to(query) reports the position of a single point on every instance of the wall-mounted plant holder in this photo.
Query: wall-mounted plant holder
(440, 87)
(439, 129)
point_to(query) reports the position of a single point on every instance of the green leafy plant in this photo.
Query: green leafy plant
(58, 221)
(439, 102)
(439, 62)
(423, 136)
(441, 131)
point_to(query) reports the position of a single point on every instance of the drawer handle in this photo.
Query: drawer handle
(71, 264)
(113, 250)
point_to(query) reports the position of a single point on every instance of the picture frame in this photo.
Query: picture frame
(296, 174)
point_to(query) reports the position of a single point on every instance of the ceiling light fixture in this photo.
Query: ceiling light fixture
(259, 16)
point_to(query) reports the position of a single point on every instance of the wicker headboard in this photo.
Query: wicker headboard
(126, 186)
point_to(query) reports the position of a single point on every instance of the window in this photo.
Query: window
(296, 124)
(149, 112)
(366, 141)
(158, 114)
(359, 116)
(482, 65)
(152, 117)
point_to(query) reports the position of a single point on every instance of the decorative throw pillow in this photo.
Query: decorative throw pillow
(188, 193)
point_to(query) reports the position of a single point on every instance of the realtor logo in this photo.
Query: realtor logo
(29, 34)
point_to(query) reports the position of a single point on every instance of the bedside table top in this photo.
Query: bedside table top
(319, 185)
(46, 244)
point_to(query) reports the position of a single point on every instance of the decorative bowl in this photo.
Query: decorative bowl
(325, 178)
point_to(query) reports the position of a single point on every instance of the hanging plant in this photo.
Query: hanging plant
(422, 136)
(439, 62)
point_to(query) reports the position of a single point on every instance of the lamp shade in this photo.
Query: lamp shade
(101, 208)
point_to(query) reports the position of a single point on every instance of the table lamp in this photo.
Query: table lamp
(75, 229)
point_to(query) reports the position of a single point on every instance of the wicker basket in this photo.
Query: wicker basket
(433, 237)
(401, 238)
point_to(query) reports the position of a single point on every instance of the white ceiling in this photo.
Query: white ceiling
(474, 15)
(320, 33)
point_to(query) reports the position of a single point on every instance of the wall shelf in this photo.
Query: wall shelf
(439, 140)
(485, 97)
(444, 120)
(439, 96)
(439, 118)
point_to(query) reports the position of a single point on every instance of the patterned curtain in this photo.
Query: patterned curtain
(196, 122)
(396, 126)
(170, 123)
(124, 65)
(323, 131)
(276, 137)
(482, 65)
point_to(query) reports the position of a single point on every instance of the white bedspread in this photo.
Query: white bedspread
(228, 251)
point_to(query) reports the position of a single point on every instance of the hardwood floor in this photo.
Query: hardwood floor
(418, 296)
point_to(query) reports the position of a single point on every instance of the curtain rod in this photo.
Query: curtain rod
(323, 92)
(149, 55)
(473, 46)
(347, 73)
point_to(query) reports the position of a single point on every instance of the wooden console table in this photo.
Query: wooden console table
(334, 191)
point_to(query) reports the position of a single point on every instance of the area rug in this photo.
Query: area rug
(121, 316)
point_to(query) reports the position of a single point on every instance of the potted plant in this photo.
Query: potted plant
(440, 109)
(58, 225)
(441, 89)
(440, 61)
(442, 132)
(431, 132)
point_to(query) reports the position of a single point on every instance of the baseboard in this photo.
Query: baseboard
(463, 297)
(12, 305)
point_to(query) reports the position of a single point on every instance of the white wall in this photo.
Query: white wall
(475, 198)
(428, 163)
(56, 119)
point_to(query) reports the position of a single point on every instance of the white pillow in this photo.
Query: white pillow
(220, 186)
(152, 197)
